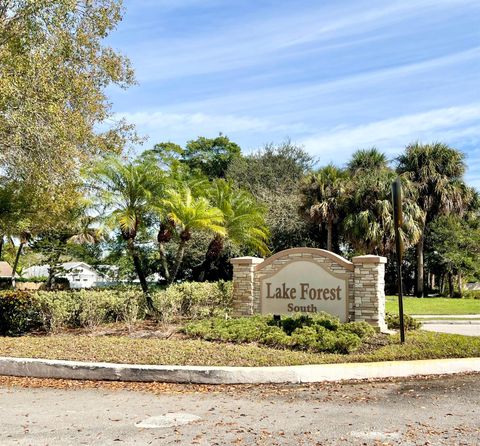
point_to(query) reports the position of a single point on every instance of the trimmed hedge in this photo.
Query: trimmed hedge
(51, 311)
(317, 333)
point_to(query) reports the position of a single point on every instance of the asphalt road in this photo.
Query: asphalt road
(440, 411)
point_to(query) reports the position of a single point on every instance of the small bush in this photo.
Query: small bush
(194, 300)
(393, 322)
(18, 313)
(36, 279)
(317, 333)
(471, 294)
(362, 329)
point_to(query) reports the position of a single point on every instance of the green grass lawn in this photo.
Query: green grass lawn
(434, 305)
(419, 345)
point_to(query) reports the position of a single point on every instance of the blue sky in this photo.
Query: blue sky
(334, 76)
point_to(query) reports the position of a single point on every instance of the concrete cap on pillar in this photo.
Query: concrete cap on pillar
(369, 259)
(247, 260)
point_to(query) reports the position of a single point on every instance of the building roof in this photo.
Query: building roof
(43, 270)
(5, 269)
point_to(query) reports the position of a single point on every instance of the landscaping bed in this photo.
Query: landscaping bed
(193, 326)
(128, 350)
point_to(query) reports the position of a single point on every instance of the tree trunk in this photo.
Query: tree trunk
(450, 284)
(420, 264)
(140, 273)
(163, 260)
(329, 234)
(460, 284)
(2, 242)
(214, 250)
(17, 258)
(441, 284)
(178, 259)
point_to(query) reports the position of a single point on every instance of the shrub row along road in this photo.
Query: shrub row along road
(440, 411)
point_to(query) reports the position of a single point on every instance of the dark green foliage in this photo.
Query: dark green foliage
(272, 175)
(361, 329)
(471, 294)
(317, 333)
(393, 322)
(38, 279)
(211, 156)
(18, 313)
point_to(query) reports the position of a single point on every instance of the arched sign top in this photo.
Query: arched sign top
(314, 251)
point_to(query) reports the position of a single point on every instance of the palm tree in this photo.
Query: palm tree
(190, 214)
(127, 190)
(436, 171)
(369, 224)
(367, 160)
(322, 198)
(244, 223)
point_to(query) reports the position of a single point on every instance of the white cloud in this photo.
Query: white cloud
(183, 126)
(391, 135)
(235, 44)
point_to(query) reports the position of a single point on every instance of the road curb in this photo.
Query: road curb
(44, 368)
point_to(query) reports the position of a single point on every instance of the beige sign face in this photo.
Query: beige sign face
(304, 286)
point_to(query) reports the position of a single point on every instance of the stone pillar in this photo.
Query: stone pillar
(369, 290)
(243, 284)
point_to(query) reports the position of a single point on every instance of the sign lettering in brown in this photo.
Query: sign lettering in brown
(304, 286)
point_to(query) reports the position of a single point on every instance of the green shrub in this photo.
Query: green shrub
(471, 294)
(18, 313)
(57, 309)
(194, 300)
(346, 342)
(362, 329)
(36, 279)
(300, 332)
(393, 322)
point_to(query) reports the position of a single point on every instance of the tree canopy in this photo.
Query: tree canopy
(54, 69)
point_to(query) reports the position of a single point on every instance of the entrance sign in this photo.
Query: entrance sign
(310, 280)
(303, 286)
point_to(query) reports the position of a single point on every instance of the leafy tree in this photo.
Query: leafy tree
(210, 156)
(190, 214)
(437, 173)
(127, 191)
(54, 70)
(323, 196)
(274, 168)
(243, 220)
(272, 175)
(455, 245)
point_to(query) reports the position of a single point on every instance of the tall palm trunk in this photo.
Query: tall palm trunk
(214, 250)
(165, 234)
(178, 259)
(420, 267)
(140, 273)
(164, 261)
(329, 234)
(17, 258)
